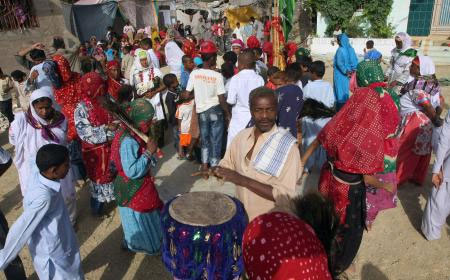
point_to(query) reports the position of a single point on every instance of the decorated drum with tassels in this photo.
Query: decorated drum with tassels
(203, 236)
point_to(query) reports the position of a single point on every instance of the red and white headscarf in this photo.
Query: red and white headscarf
(279, 246)
(238, 43)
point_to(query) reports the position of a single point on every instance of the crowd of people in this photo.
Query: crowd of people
(103, 110)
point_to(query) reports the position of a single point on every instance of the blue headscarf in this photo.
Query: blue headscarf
(345, 43)
(372, 55)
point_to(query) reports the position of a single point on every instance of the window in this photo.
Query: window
(17, 15)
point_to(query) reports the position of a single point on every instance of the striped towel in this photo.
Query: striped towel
(274, 152)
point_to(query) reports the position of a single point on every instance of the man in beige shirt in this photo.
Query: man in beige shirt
(263, 161)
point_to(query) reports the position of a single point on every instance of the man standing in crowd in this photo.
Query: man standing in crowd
(211, 106)
(238, 93)
(263, 161)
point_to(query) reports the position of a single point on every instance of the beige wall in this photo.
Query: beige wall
(51, 23)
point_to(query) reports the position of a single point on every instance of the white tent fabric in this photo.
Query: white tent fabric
(93, 2)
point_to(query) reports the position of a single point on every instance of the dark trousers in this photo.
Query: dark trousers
(6, 109)
(15, 270)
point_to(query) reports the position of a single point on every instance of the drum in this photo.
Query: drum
(202, 236)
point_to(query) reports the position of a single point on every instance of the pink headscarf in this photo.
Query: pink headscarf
(237, 43)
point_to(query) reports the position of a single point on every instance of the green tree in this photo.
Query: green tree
(339, 13)
(377, 13)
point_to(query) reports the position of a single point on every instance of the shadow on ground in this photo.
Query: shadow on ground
(410, 196)
(371, 272)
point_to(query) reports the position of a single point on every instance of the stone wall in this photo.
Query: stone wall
(51, 23)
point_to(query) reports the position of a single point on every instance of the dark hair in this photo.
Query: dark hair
(147, 42)
(86, 65)
(293, 72)
(369, 44)
(208, 56)
(109, 28)
(51, 155)
(58, 43)
(247, 56)
(304, 61)
(319, 213)
(227, 70)
(260, 92)
(17, 74)
(125, 94)
(230, 57)
(115, 46)
(272, 70)
(169, 79)
(258, 52)
(179, 44)
(318, 67)
(185, 58)
(128, 48)
(37, 54)
(40, 100)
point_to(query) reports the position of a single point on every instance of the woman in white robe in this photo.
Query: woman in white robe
(173, 55)
(30, 131)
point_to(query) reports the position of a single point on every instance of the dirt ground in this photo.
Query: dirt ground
(393, 250)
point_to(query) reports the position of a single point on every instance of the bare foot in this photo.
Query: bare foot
(205, 172)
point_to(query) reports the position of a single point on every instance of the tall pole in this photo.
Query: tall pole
(277, 44)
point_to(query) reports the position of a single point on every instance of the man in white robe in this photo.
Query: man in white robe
(239, 90)
(438, 205)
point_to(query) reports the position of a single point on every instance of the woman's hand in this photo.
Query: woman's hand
(151, 146)
(112, 126)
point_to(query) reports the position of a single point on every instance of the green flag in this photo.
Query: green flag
(287, 8)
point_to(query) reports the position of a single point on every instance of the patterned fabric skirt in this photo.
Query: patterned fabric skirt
(380, 199)
(142, 231)
(347, 191)
(102, 192)
(415, 149)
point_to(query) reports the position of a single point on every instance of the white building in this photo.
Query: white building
(417, 17)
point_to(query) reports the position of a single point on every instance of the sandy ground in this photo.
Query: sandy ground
(393, 249)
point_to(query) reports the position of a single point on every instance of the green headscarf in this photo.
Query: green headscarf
(140, 110)
(369, 72)
(302, 52)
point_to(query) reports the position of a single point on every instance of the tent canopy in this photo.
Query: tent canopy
(93, 2)
(86, 18)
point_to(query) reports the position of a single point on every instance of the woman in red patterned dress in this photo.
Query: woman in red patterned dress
(95, 128)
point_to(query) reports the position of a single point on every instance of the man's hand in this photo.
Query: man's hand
(151, 146)
(437, 179)
(150, 94)
(228, 175)
(38, 46)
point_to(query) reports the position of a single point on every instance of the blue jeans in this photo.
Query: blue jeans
(211, 124)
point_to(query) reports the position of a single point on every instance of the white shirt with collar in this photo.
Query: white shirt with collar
(46, 227)
(239, 90)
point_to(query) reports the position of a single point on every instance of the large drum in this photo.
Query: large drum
(203, 236)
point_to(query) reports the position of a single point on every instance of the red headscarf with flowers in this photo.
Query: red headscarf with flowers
(290, 49)
(279, 246)
(253, 42)
(93, 87)
(113, 85)
(69, 94)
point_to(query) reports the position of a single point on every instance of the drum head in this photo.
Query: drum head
(202, 208)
